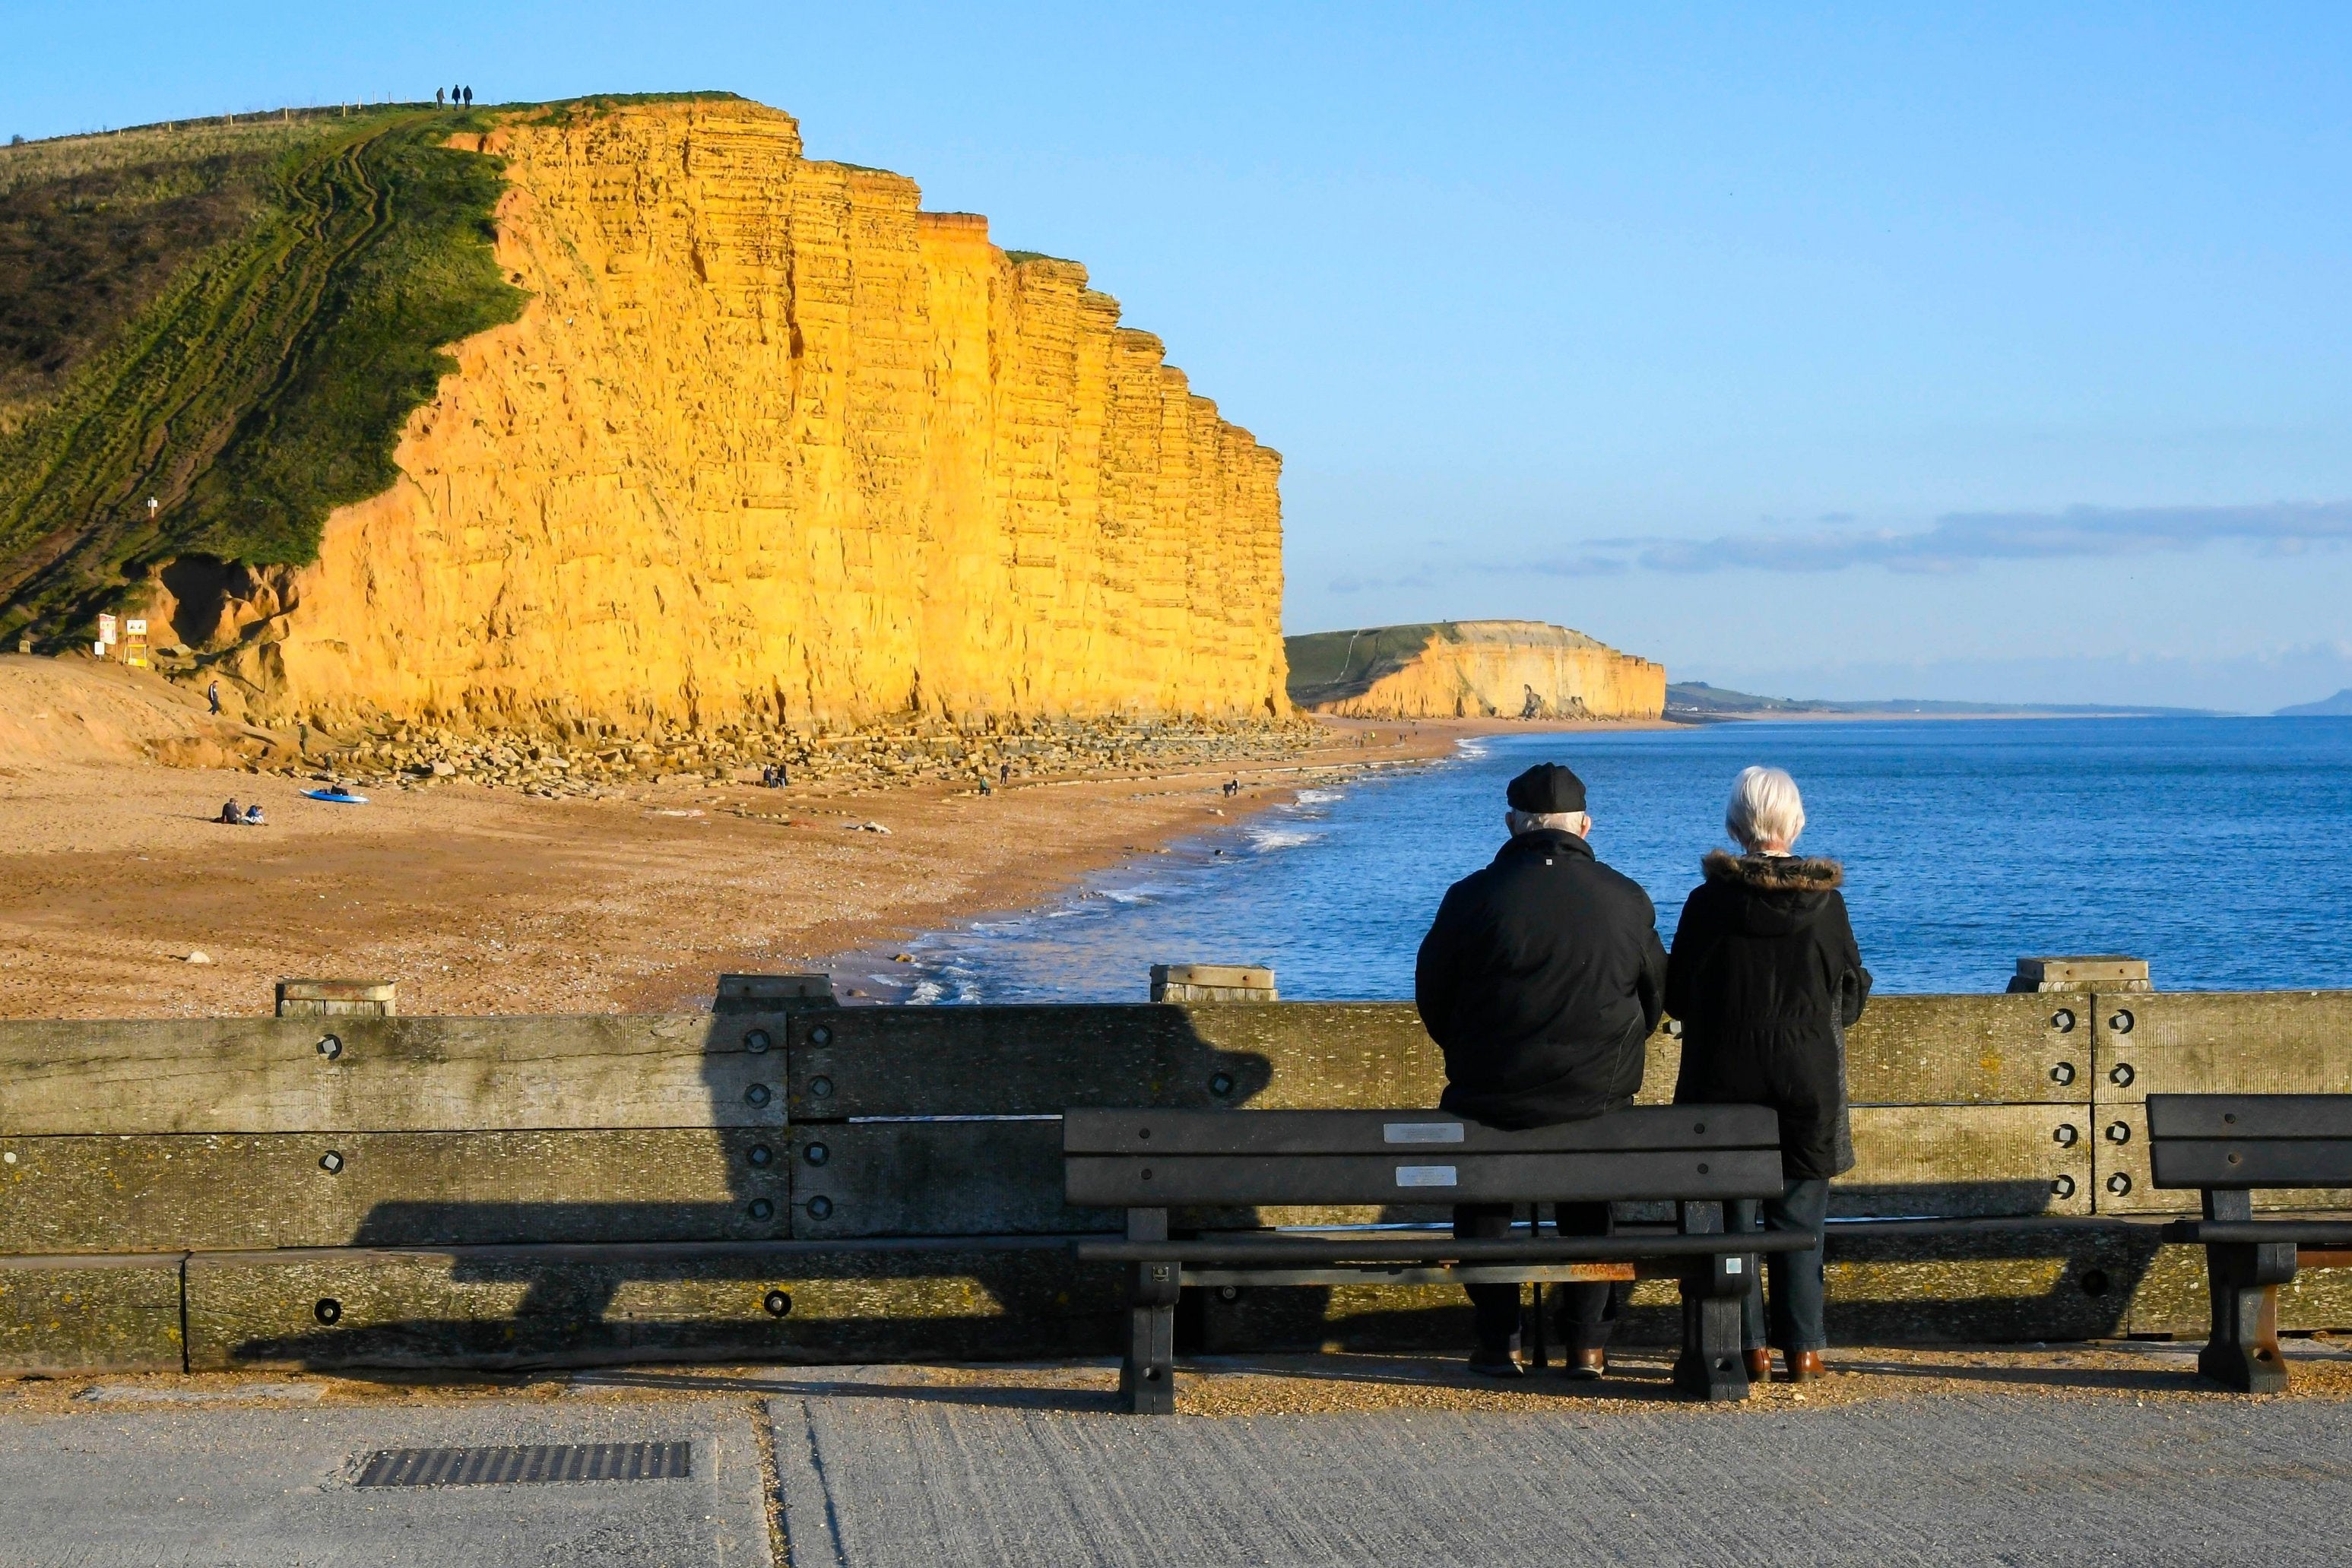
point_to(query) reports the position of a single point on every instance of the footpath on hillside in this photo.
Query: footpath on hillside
(2039, 1455)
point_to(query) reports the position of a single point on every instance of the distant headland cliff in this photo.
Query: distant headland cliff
(679, 426)
(1470, 669)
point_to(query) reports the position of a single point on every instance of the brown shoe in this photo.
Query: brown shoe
(1804, 1367)
(1584, 1366)
(1760, 1366)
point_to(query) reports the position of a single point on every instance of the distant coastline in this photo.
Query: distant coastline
(1696, 701)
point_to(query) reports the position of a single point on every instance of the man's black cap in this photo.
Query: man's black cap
(1545, 787)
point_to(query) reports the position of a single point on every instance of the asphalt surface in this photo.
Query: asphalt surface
(870, 1482)
(881, 1468)
(130, 1485)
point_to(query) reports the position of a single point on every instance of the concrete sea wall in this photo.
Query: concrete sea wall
(333, 1191)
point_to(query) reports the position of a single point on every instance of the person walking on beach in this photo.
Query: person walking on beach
(1766, 978)
(1541, 979)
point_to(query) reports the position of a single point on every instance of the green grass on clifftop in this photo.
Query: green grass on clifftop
(1332, 666)
(280, 308)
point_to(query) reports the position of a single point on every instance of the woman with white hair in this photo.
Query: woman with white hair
(1766, 979)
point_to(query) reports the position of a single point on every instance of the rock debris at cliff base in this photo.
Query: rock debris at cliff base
(418, 757)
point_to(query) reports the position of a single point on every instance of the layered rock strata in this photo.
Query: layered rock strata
(772, 445)
(1472, 669)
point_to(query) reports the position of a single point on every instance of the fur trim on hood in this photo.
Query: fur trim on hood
(1774, 874)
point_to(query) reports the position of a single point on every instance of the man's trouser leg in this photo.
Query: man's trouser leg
(1588, 1311)
(1494, 1308)
(1744, 1215)
(1797, 1283)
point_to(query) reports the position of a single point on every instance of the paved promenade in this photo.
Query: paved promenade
(2015, 1458)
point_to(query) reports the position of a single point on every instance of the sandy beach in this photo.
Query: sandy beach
(482, 901)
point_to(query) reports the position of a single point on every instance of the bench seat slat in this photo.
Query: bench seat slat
(2321, 1233)
(2250, 1162)
(2315, 1116)
(1148, 1131)
(1426, 1175)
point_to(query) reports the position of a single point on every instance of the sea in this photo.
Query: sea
(2202, 845)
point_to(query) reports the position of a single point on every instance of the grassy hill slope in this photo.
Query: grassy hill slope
(235, 321)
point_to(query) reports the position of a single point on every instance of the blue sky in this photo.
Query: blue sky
(1870, 350)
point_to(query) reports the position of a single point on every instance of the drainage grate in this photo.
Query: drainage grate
(527, 1465)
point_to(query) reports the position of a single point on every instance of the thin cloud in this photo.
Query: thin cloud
(1582, 566)
(1958, 540)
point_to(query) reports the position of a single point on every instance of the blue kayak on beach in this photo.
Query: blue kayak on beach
(336, 795)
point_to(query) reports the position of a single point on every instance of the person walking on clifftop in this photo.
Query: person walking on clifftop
(1766, 979)
(1541, 979)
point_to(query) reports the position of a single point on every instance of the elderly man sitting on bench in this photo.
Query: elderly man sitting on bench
(1541, 979)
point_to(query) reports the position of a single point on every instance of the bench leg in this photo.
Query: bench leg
(1711, 1367)
(2243, 1350)
(1534, 1342)
(1146, 1372)
(2242, 1279)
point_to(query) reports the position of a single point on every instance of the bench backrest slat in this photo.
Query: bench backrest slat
(1155, 1159)
(1234, 1132)
(2250, 1140)
(1427, 1176)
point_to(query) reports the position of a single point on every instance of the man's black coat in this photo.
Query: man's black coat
(1541, 979)
(1766, 979)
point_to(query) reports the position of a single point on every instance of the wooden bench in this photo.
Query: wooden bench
(2231, 1145)
(1698, 1156)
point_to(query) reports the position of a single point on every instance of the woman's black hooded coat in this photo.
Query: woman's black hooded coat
(1766, 979)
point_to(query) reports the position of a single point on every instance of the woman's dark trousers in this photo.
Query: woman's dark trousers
(1587, 1311)
(1796, 1314)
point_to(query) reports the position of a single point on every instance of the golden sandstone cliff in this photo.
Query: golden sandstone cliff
(1472, 669)
(771, 444)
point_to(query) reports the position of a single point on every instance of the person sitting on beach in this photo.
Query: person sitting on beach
(1541, 979)
(253, 817)
(1766, 979)
(230, 814)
